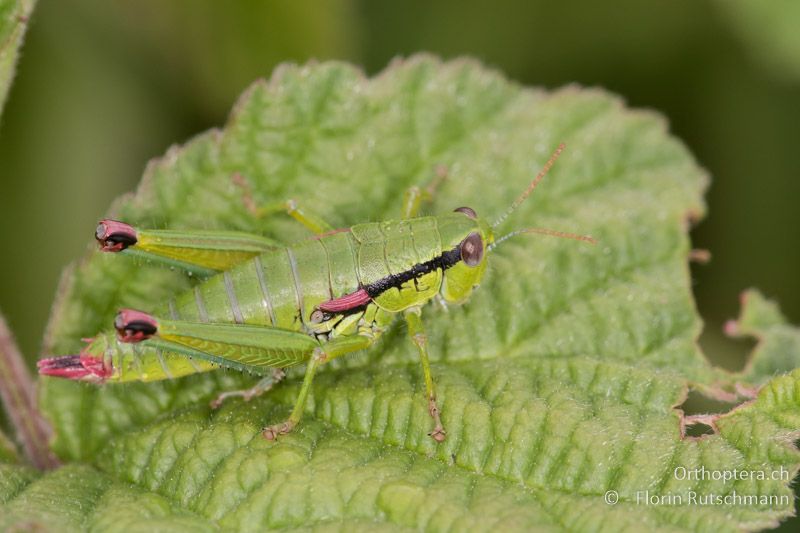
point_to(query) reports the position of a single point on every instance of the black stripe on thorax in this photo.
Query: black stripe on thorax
(443, 262)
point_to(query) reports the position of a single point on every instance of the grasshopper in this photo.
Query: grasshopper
(267, 307)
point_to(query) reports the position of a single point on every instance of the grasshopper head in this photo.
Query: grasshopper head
(474, 238)
(470, 238)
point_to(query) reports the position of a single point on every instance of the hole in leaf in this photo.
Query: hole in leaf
(698, 429)
(723, 351)
(697, 404)
(699, 414)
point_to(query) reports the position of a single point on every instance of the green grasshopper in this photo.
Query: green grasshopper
(269, 307)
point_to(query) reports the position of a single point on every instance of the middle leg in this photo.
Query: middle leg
(413, 317)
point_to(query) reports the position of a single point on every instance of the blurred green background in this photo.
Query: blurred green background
(104, 86)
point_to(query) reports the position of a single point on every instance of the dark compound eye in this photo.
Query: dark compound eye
(467, 211)
(472, 249)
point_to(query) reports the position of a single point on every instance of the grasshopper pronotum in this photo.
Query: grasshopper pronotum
(270, 306)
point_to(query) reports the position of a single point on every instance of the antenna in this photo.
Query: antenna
(527, 192)
(545, 231)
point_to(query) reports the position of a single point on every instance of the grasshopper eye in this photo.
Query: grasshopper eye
(472, 249)
(467, 211)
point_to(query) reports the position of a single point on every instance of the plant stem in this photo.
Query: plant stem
(18, 395)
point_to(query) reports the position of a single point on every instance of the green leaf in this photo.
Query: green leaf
(79, 498)
(13, 479)
(558, 380)
(14, 16)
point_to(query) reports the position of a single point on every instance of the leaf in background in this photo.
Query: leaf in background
(243, 40)
(769, 29)
(18, 398)
(8, 452)
(557, 381)
(778, 349)
(13, 23)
